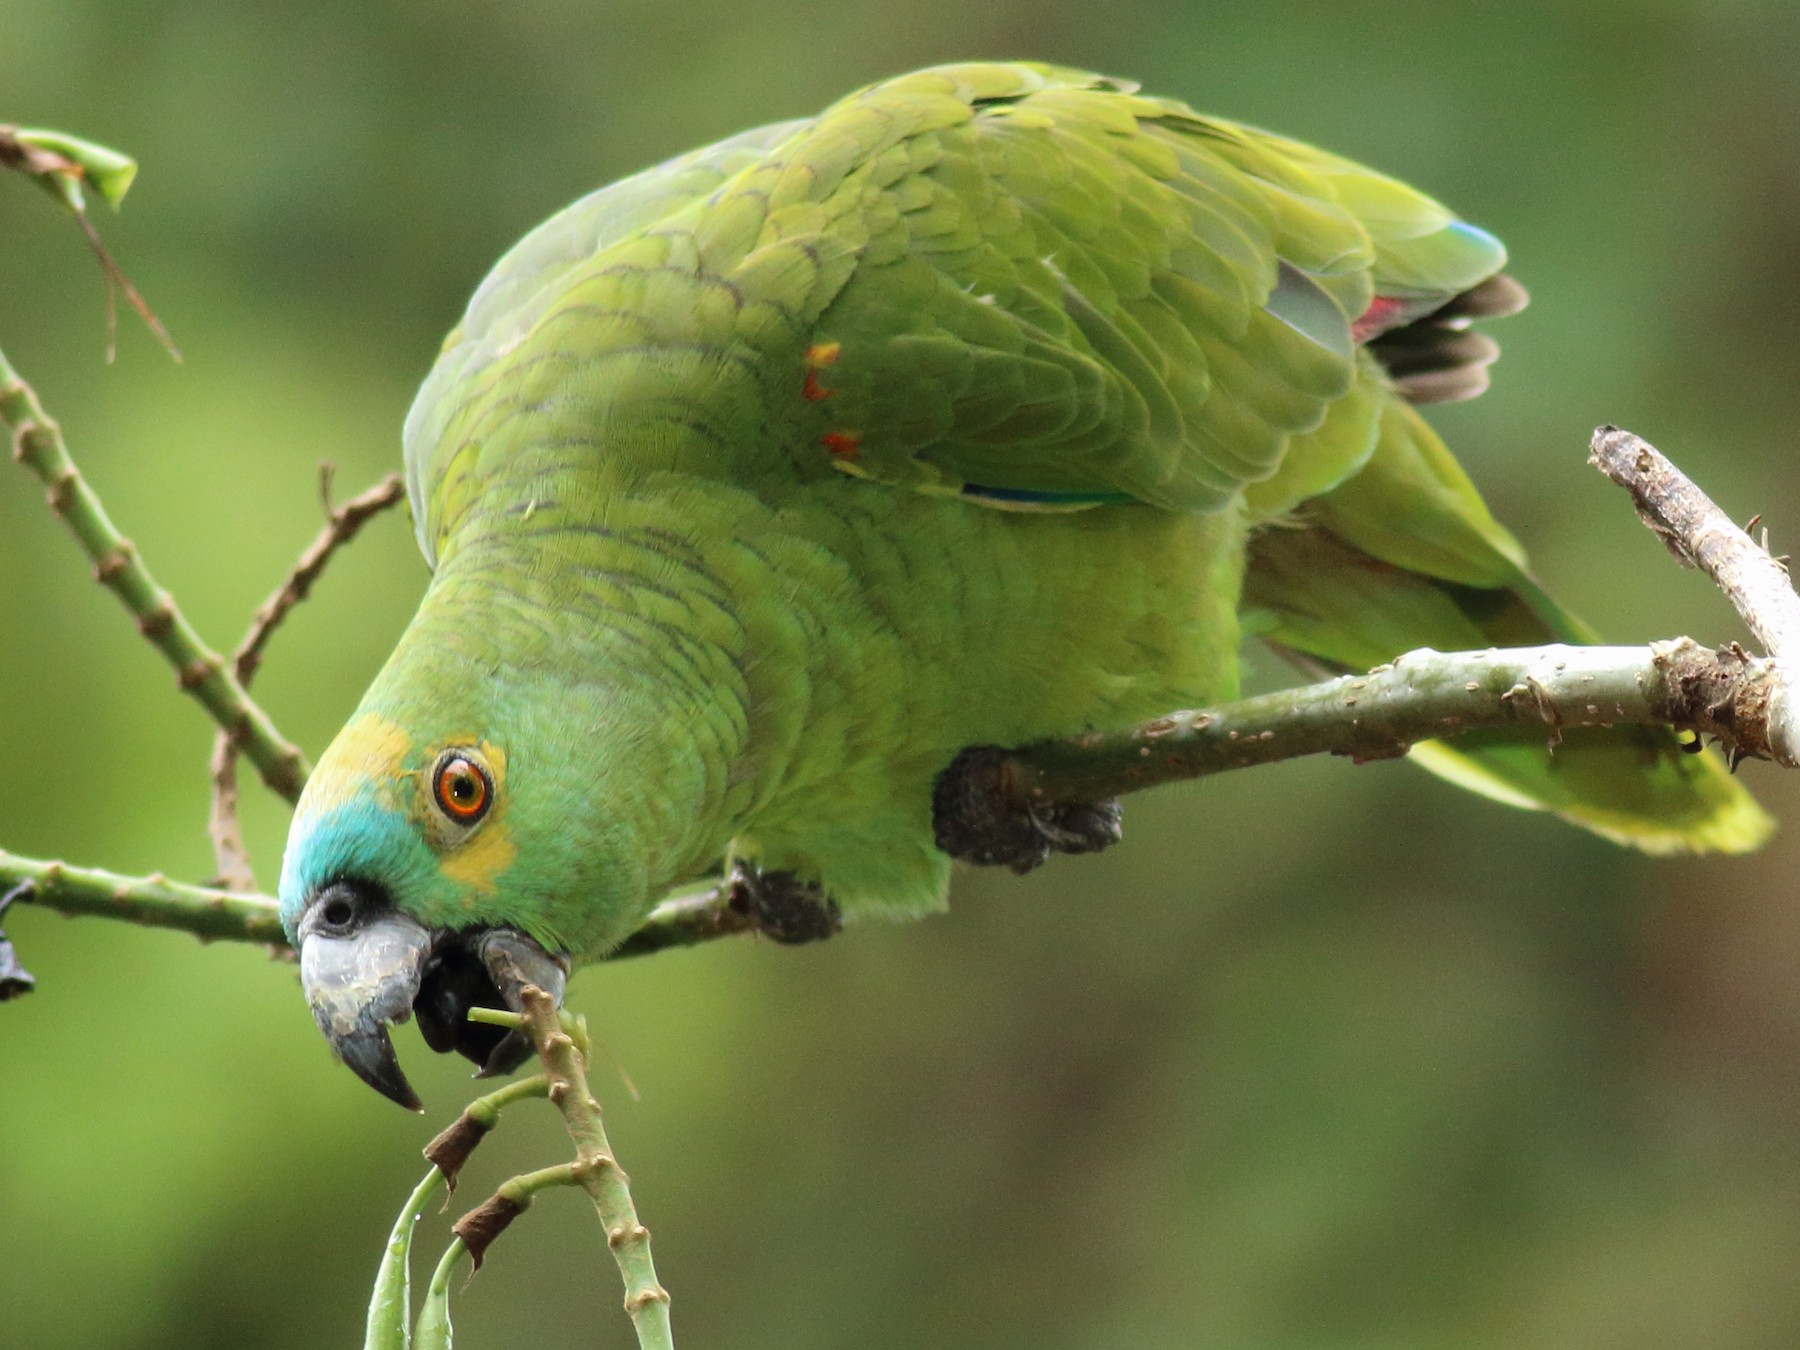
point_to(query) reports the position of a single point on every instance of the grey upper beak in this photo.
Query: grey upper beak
(361, 978)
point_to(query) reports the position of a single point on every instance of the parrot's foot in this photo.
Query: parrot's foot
(14, 978)
(786, 908)
(976, 822)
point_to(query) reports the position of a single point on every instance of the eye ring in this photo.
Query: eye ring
(462, 788)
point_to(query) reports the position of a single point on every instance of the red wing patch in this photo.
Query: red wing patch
(1383, 310)
(842, 444)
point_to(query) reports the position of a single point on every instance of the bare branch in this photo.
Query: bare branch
(989, 798)
(1700, 535)
(341, 526)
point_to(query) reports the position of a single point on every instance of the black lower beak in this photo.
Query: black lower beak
(483, 968)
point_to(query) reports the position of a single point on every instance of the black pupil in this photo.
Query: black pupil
(339, 912)
(462, 786)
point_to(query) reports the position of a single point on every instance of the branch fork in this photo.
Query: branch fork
(561, 1042)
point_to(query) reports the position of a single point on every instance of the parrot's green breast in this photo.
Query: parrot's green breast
(971, 411)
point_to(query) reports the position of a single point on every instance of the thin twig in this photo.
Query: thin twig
(200, 671)
(482, 1226)
(118, 279)
(341, 526)
(449, 1151)
(1700, 535)
(231, 858)
(61, 164)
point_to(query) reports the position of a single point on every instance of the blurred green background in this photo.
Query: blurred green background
(1324, 1056)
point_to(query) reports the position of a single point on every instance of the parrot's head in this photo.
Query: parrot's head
(415, 881)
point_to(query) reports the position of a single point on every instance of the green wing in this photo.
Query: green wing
(1068, 294)
(1026, 284)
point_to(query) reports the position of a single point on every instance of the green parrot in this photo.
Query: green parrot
(996, 403)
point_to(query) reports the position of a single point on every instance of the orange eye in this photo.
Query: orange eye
(462, 789)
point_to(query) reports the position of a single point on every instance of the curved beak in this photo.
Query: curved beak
(365, 967)
(360, 983)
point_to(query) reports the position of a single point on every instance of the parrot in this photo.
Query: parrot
(995, 404)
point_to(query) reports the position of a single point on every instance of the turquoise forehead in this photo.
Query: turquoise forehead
(357, 838)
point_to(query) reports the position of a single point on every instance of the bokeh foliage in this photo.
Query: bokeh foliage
(1322, 1057)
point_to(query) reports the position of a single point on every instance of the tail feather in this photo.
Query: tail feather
(1406, 556)
(1437, 358)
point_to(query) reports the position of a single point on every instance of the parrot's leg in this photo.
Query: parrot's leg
(786, 908)
(976, 822)
(14, 978)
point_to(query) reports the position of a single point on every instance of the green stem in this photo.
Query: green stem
(200, 671)
(433, 1331)
(390, 1307)
(597, 1171)
(153, 901)
(235, 916)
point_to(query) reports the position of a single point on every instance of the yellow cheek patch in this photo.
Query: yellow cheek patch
(369, 750)
(479, 863)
